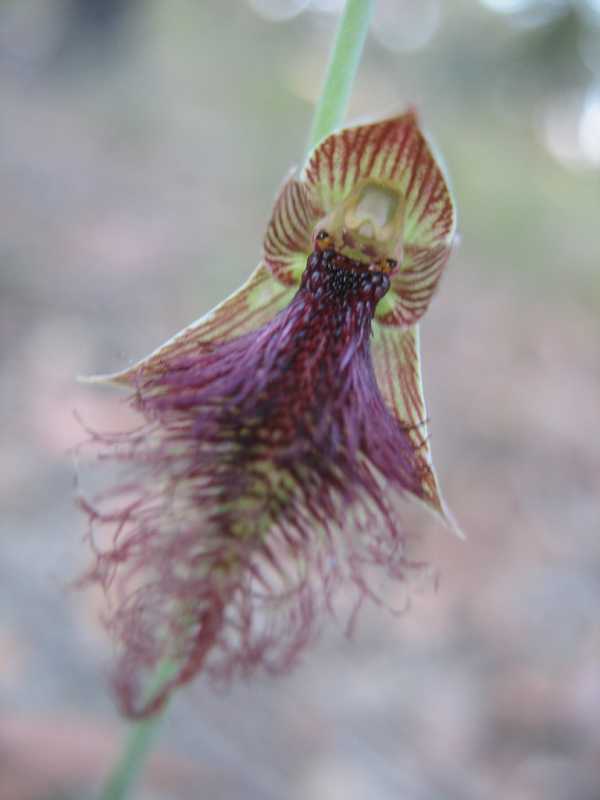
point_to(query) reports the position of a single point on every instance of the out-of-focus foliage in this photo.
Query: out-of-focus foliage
(556, 59)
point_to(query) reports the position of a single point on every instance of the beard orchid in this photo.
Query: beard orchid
(278, 431)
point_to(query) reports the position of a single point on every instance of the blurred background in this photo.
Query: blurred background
(141, 144)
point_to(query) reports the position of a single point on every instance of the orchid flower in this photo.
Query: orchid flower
(279, 430)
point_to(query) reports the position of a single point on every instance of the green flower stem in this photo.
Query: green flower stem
(138, 743)
(343, 65)
(329, 115)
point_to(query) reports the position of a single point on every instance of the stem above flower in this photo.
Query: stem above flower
(341, 72)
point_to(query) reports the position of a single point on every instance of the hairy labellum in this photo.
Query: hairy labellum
(253, 441)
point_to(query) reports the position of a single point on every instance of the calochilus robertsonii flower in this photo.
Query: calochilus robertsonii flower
(279, 430)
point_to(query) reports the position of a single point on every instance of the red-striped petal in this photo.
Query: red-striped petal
(287, 243)
(414, 285)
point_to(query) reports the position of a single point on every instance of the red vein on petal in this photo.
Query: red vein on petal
(424, 184)
(435, 196)
(388, 152)
(378, 144)
(345, 145)
(402, 147)
(410, 382)
(299, 217)
(415, 161)
(329, 152)
(388, 371)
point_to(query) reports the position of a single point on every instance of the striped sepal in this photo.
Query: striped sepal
(397, 366)
(287, 243)
(393, 150)
(252, 305)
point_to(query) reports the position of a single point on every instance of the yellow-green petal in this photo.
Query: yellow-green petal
(396, 361)
(252, 305)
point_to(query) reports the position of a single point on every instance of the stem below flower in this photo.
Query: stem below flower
(329, 115)
(138, 743)
(343, 65)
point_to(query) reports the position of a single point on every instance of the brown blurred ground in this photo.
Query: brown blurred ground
(136, 176)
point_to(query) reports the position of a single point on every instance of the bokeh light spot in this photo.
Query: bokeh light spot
(406, 25)
(278, 10)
